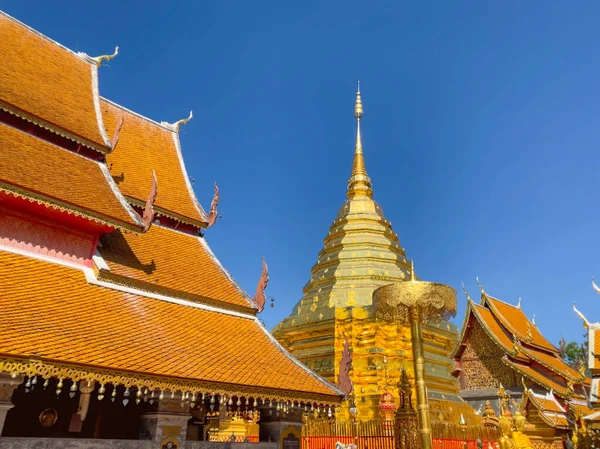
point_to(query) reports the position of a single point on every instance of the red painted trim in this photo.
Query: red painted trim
(41, 133)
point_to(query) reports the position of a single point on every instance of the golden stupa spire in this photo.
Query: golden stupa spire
(359, 183)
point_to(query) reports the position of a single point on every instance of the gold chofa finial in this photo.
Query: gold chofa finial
(98, 60)
(480, 286)
(359, 183)
(466, 292)
(595, 286)
(105, 58)
(175, 126)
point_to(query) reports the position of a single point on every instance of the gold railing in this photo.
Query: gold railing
(378, 434)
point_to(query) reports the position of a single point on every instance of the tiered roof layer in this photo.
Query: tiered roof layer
(106, 328)
(526, 350)
(49, 85)
(179, 264)
(42, 172)
(144, 147)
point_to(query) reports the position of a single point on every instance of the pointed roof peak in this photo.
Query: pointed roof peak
(359, 183)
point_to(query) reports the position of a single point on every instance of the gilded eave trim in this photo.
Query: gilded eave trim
(126, 281)
(52, 128)
(106, 375)
(531, 354)
(566, 394)
(66, 207)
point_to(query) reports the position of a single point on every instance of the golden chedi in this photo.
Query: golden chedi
(361, 252)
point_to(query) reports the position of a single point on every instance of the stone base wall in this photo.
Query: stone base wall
(71, 443)
(77, 443)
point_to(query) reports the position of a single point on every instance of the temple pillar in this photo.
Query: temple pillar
(167, 425)
(8, 384)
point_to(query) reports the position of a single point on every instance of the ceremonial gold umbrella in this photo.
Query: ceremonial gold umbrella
(413, 303)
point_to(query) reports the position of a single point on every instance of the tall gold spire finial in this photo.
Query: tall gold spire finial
(359, 182)
(413, 276)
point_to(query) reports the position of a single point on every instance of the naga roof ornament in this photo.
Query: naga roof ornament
(586, 323)
(259, 296)
(148, 216)
(99, 60)
(213, 213)
(595, 286)
(175, 126)
(117, 133)
(519, 303)
(344, 382)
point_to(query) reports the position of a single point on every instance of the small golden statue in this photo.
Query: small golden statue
(520, 440)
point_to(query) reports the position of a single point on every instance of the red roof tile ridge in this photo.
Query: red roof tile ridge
(296, 361)
(94, 73)
(204, 243)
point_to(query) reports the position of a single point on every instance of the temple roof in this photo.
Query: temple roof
(548, 407)
(45, 83)
(149, 258)
(526, 350)
(97, 326)
(516, 322)
(41, 172)
(145, 146)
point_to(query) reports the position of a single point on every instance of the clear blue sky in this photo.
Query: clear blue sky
(481, 130)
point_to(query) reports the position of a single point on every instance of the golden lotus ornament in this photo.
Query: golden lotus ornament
(413, 303)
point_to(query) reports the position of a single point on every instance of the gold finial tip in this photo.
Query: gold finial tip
(358, 109)
(413, 276)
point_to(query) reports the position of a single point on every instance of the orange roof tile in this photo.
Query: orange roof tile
(40, 171)
(552, 362)
(51, 312)
(489, 322)
(172, 260)
(513, 319)
(556, 383)
(145, 146)
(46, 83)
(596, 350)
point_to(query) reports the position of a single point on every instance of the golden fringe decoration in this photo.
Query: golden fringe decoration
(36, 367)
(62, 207)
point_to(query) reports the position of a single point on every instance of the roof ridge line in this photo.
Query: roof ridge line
(119, 195)
(294, 359)
(49, 39)
(137, 114)
(91, 278)
(246, 296)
